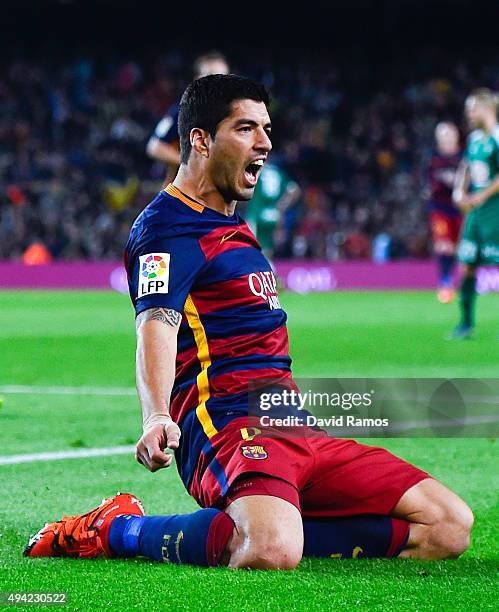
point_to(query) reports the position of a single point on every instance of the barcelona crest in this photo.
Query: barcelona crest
(254, 452)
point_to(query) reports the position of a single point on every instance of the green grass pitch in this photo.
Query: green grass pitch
(57, 339)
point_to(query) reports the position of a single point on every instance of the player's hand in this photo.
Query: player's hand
(471, 201)
(155, 439)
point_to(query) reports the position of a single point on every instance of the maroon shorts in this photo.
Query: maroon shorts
(445, 230)
(329, 477)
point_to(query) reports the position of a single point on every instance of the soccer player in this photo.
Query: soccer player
(208, 322)
(477, 193)
(274, 193)
(164, 144)
(445, 217)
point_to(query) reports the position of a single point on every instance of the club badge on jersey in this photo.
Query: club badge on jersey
(254, 452)
(154, 273)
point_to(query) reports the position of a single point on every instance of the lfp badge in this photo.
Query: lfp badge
(154, 273)
(254, 452)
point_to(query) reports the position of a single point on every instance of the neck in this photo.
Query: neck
(199, 187)
(489, 123)
(448, 152)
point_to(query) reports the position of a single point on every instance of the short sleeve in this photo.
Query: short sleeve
(161, 272)
(472, 137)
(495, 136)
(167, 128)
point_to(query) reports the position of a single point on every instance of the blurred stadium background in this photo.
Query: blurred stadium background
(357, 91)
(356, 97)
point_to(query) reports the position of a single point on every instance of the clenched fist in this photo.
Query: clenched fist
(154, 440)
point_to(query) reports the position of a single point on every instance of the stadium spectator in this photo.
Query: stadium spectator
(74, 173)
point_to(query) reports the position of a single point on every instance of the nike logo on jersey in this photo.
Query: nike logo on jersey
(228, 237)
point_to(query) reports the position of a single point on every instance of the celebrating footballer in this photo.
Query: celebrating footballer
(209, 324)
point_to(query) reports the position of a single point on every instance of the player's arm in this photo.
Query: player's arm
(157, 330)
(291, 195)
(480, 197)
(163, 143)
(163, 151)
(460, 193)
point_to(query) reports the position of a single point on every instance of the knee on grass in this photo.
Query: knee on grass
(268, 533)
(268, 551)
(450, 530)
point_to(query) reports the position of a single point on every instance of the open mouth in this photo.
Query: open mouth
(252, 171)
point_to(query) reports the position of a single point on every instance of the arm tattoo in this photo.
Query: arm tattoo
(168, 316)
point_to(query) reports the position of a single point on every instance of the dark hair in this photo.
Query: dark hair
(207, 101)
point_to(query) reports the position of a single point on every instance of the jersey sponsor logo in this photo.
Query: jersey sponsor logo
(446, 176)
(264, 285)
(490, 251)
(480, 173)
(254, 452)
(154, 273)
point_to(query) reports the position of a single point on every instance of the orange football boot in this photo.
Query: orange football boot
(84, 536)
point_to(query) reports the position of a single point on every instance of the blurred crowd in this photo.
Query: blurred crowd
(74, 172)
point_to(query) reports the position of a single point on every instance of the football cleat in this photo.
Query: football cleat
(462, 332)
(84, 535)
(446, 295)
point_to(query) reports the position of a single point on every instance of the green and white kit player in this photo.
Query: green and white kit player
(274, 192)
(476, 192)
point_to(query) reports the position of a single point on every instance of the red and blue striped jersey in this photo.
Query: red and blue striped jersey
(209, 267)
(441, 173)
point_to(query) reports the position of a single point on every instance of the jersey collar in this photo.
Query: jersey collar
(180, 195)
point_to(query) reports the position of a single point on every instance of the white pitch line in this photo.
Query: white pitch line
(125, 450)
(41, 390)
(131, 391)
(82, 453)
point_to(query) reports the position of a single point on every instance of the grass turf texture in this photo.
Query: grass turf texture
(50, 338)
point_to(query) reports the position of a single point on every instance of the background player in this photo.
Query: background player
(274, 193)
(477, 193)
(164, 144)
(445, 217)
(209, 322)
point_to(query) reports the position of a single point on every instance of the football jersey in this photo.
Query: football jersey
(482, 154)
(209, 267)
(269, 190)
(167, 128)
(441, 168)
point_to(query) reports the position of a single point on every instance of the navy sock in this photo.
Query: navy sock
(199, 538)
(446, 266)
(360, 536)
(123, 535)
(468, 295)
